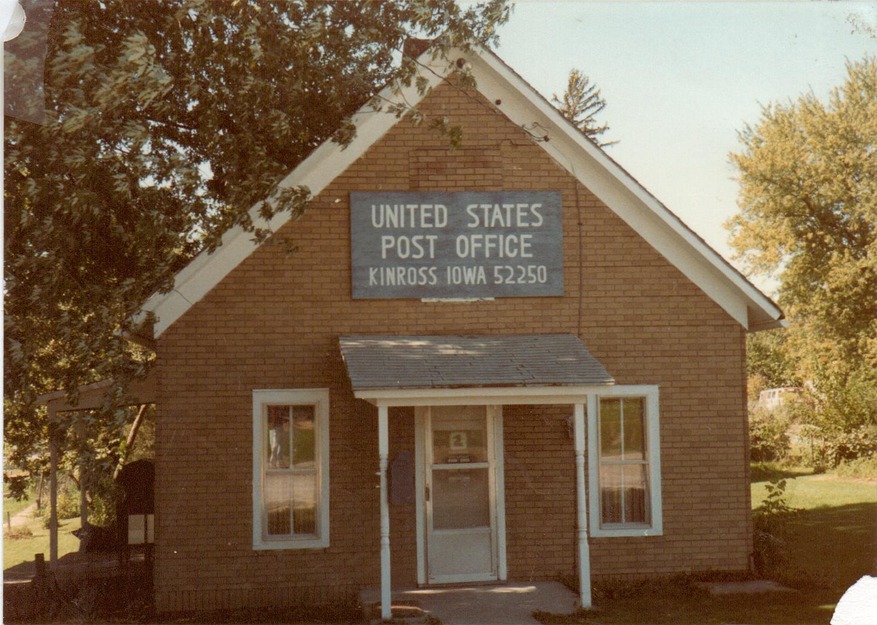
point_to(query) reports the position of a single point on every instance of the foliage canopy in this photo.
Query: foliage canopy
(165, 123)
(808, 217)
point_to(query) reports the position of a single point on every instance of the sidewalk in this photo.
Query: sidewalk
(501, 604)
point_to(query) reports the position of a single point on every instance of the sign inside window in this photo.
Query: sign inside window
(464, 245)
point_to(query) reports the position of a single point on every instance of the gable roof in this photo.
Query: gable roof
(570, 148)
(434, 362)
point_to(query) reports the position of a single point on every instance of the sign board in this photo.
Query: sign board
(462, 245)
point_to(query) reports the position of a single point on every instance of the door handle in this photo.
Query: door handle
(427, 493)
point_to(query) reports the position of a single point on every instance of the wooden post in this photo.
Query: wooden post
(383, 452)
(53, 488)
(82, 432)
(40, 493)
(582, 532)
(40, 563)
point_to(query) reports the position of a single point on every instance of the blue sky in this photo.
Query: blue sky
(681, 79)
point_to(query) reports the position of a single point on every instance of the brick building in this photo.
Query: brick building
(506, 361)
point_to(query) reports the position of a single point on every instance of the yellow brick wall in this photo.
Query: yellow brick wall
(274, 322)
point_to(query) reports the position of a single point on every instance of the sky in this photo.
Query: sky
(682, 79)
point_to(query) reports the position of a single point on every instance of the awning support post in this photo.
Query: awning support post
(383, 452)
(582, 512)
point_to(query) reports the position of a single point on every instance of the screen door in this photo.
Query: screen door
(460, 495)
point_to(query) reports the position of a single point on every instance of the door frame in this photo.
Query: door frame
(497, 513)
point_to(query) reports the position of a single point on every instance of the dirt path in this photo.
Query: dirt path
(22, 518)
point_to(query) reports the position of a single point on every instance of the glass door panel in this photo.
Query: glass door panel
(460, 522)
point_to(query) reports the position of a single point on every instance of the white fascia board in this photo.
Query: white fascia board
(316, 172)
(618, 190)
(481, 396)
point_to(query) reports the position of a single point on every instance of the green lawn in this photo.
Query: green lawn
(831, 537)
(829, 542)
(19, 550)
(682, 601)
(12, 506)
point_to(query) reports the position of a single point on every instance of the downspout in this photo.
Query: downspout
(584, 554)
(384, 452)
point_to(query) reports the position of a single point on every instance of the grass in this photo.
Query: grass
(14, 506)
(684, 601)
(19, 550)
(829, 542)
(830, 537)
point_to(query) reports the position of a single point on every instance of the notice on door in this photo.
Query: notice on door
(463, 245)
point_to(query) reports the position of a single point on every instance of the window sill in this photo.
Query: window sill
(630, 531)
(291, 544)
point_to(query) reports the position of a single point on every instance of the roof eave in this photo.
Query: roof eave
(621, 192)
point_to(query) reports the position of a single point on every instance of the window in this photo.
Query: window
(290, 469)
(624, 452)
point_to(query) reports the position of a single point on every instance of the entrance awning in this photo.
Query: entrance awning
(399, 363)
(467, 370)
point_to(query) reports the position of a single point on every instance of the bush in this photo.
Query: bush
(846, 446)
(68, 502)
(106, 493)
(770, 520)
(861, 468)
(17, 533)
(768, 436)
(832, 448)
(103, 494)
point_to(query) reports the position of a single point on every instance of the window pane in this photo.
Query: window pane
(459, 434)
(278, 495)
(460, 498)
(305, 498)
(278, 437)
(634, 422)
(611, 494)
(635, 510)
(303, 436)
(610, 428)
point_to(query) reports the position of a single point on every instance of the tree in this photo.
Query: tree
(166, 121)
(767, 363)
(808, 217)
(580, 104)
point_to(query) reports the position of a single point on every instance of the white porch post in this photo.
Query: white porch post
(383, 452)
(582, 516)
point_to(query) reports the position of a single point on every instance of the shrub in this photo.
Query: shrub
(860, 468)
(769, 521)
(846, 446)
(768, 436)
(17, 533)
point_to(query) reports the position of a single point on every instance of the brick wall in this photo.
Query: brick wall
(274, 323)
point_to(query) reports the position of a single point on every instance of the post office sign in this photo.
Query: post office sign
(456, 245)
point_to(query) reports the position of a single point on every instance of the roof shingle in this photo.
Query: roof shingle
(409, 362)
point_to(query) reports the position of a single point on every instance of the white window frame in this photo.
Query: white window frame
(653, 448)
(319, 399)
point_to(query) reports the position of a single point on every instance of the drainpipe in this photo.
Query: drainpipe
(383, 452)
(582, 516)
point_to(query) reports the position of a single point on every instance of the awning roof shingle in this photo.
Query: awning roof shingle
(415, 362)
